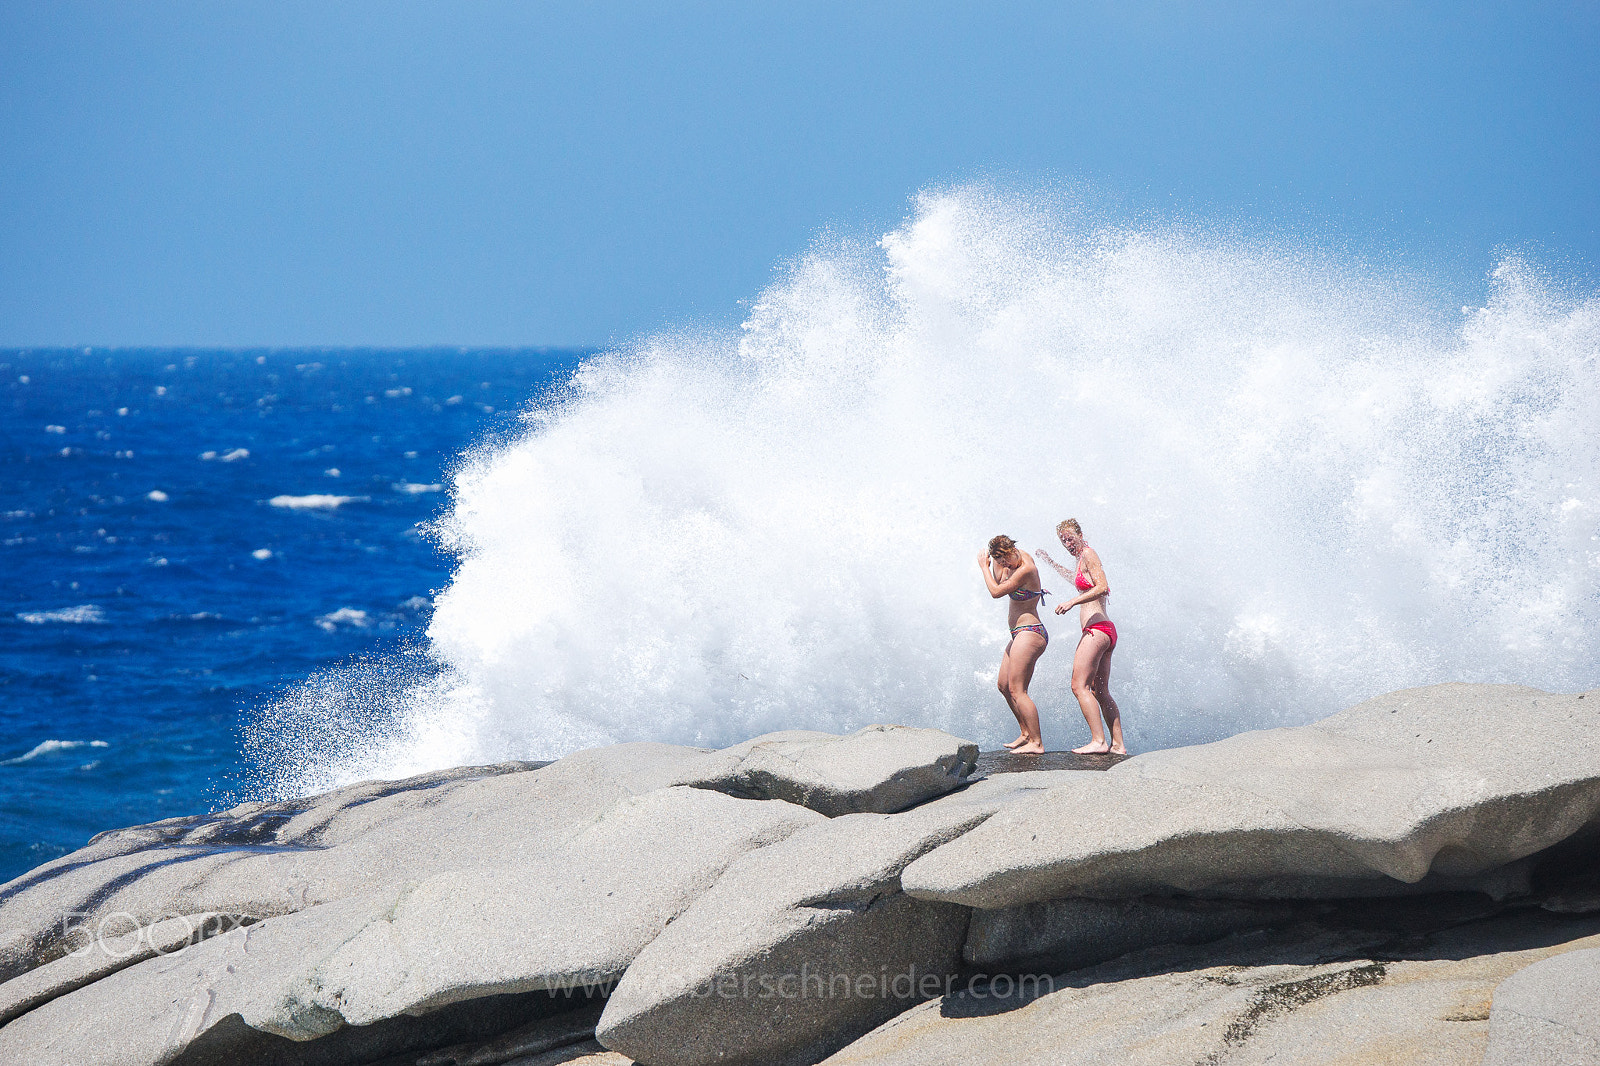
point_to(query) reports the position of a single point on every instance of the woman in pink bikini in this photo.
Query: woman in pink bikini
(1091, 663)
(1010, 573)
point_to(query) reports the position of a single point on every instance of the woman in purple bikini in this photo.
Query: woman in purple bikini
(1091, 663)
(1009, 572)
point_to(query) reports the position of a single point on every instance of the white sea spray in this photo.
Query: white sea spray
(1309, 481)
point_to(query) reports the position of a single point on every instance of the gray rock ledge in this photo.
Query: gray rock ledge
(1385, 794)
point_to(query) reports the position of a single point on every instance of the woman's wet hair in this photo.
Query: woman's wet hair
(1001, 546)
(1069, 523)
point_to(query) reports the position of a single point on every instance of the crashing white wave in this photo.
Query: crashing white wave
(83, 614)
(1309, 483)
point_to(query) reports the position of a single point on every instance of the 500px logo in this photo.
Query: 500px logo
(123, 935)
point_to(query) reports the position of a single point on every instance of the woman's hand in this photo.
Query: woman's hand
(1063, 608)
(1041, 553)
(983, 560)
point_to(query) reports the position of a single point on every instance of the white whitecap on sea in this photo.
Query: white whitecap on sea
(55, 429)
(157, 495)
(332, 471)
(50, 747)
(413, 488)
(344, 616)
(262, 553)
(232, 456)
(316, 501)
(83, 613)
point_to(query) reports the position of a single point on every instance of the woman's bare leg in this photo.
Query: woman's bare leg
(1108, 706)
(1003, 683)
(1085, 663)
(1025, 651)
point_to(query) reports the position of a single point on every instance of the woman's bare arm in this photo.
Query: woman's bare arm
(1013, 581)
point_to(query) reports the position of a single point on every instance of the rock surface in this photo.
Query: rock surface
(1548, 1014)
(260, 860)
(571, 1032)
(1384, 794)
(576, 917)
(1312, 997)
(1068, 934)
(1352, 891)
(731, 980)
(103, 956)
(880, 769)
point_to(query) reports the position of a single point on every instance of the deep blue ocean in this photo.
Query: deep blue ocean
(188, 533)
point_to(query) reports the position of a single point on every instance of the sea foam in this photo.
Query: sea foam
(316, 501)
(1310, 482)
(87, 613)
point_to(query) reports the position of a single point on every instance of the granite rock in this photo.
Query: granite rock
(1404, 787)
(1307, 996)
(765, 967)
(103, 955)
(562, 1032)
(880, 769)
(1547, 1014)
(158, 1008)
(1068, 934)
(261, 860)
(576, 918)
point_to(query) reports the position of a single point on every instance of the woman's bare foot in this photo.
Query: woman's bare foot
(1119, 751)
(1032, 747)
(1020, 740)
(1094, 747)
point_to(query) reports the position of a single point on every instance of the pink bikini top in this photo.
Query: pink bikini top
(1083, 581)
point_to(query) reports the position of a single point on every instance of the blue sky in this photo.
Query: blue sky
(396, 173)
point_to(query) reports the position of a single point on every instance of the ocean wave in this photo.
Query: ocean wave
(412, 488)
(316, 501)
(50, 747)
(1311, 481)
(232, 456)
(87, 613)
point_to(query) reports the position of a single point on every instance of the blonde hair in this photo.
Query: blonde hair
(1069, 523)
(1001, 546)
